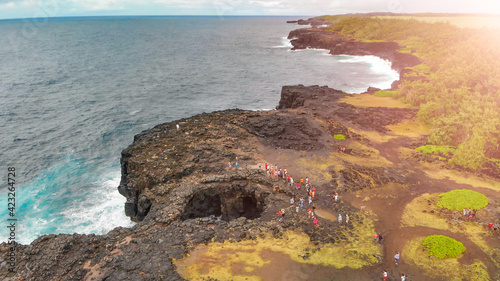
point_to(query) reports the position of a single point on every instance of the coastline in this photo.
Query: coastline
(338, 44)
(167, 166)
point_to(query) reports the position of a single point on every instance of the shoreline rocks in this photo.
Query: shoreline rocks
(339, 44)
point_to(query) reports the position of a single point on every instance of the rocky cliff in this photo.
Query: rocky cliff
(180, 188)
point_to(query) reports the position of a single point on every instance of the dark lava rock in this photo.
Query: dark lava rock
(296, 96)
(314, 22)
(323, 102)
(355, 177)
(285, 131)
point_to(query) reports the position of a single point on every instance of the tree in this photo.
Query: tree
(470, 154)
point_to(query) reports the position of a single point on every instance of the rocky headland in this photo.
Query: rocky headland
(180, 188)
(183, 187)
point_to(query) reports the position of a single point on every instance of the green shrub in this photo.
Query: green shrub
(436, 149)
(443, 246)
(339, 137)
(460, 199)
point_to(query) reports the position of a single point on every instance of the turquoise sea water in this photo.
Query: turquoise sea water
(75, 91)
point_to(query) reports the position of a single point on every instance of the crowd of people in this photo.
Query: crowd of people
(309, 192)
(469, 213)
(305, 194)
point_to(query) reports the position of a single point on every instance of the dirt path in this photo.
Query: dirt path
(389, 213)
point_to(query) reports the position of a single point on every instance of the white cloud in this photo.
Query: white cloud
(8, 5)
(99, 5)
(30, 8)
(267, 4)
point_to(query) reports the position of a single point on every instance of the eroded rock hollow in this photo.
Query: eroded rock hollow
(226, 202)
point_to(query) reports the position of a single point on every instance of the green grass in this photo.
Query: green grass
(443, 246)
(460, 199)
(339, 137)
(418, 70)
(385, 93)
(436, 149)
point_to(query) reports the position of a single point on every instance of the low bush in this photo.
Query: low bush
(339, 137)
(460, 199)
(443, 246)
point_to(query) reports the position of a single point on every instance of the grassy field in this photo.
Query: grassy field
(367, 100)
(467, 22)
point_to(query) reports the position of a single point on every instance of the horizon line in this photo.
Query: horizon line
(149, 16)
(212, 15)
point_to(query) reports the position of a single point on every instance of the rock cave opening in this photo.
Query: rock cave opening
(228, 206)
(203, 204)
(246, 206)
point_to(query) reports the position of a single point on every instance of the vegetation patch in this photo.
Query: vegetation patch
(444, 150)
(363, 155)
(381, 94)
(432, 170)
(443, 269)
(409, 128)
(317, 167)
(373, 135)
(369, 100)
(460, 199)
(458, 21)
(418, 70)
(339, 137)
(443, 246)
(422, 211)
(218, 260)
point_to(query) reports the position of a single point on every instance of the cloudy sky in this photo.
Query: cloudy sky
(60, 8)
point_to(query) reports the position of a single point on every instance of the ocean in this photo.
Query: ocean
(75, 91)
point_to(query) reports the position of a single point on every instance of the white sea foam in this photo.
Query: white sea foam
(135, 112)
(285, 43)
(323, 51)
(378, 66)
(100, 212)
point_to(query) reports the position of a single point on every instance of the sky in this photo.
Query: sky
(10, 9)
